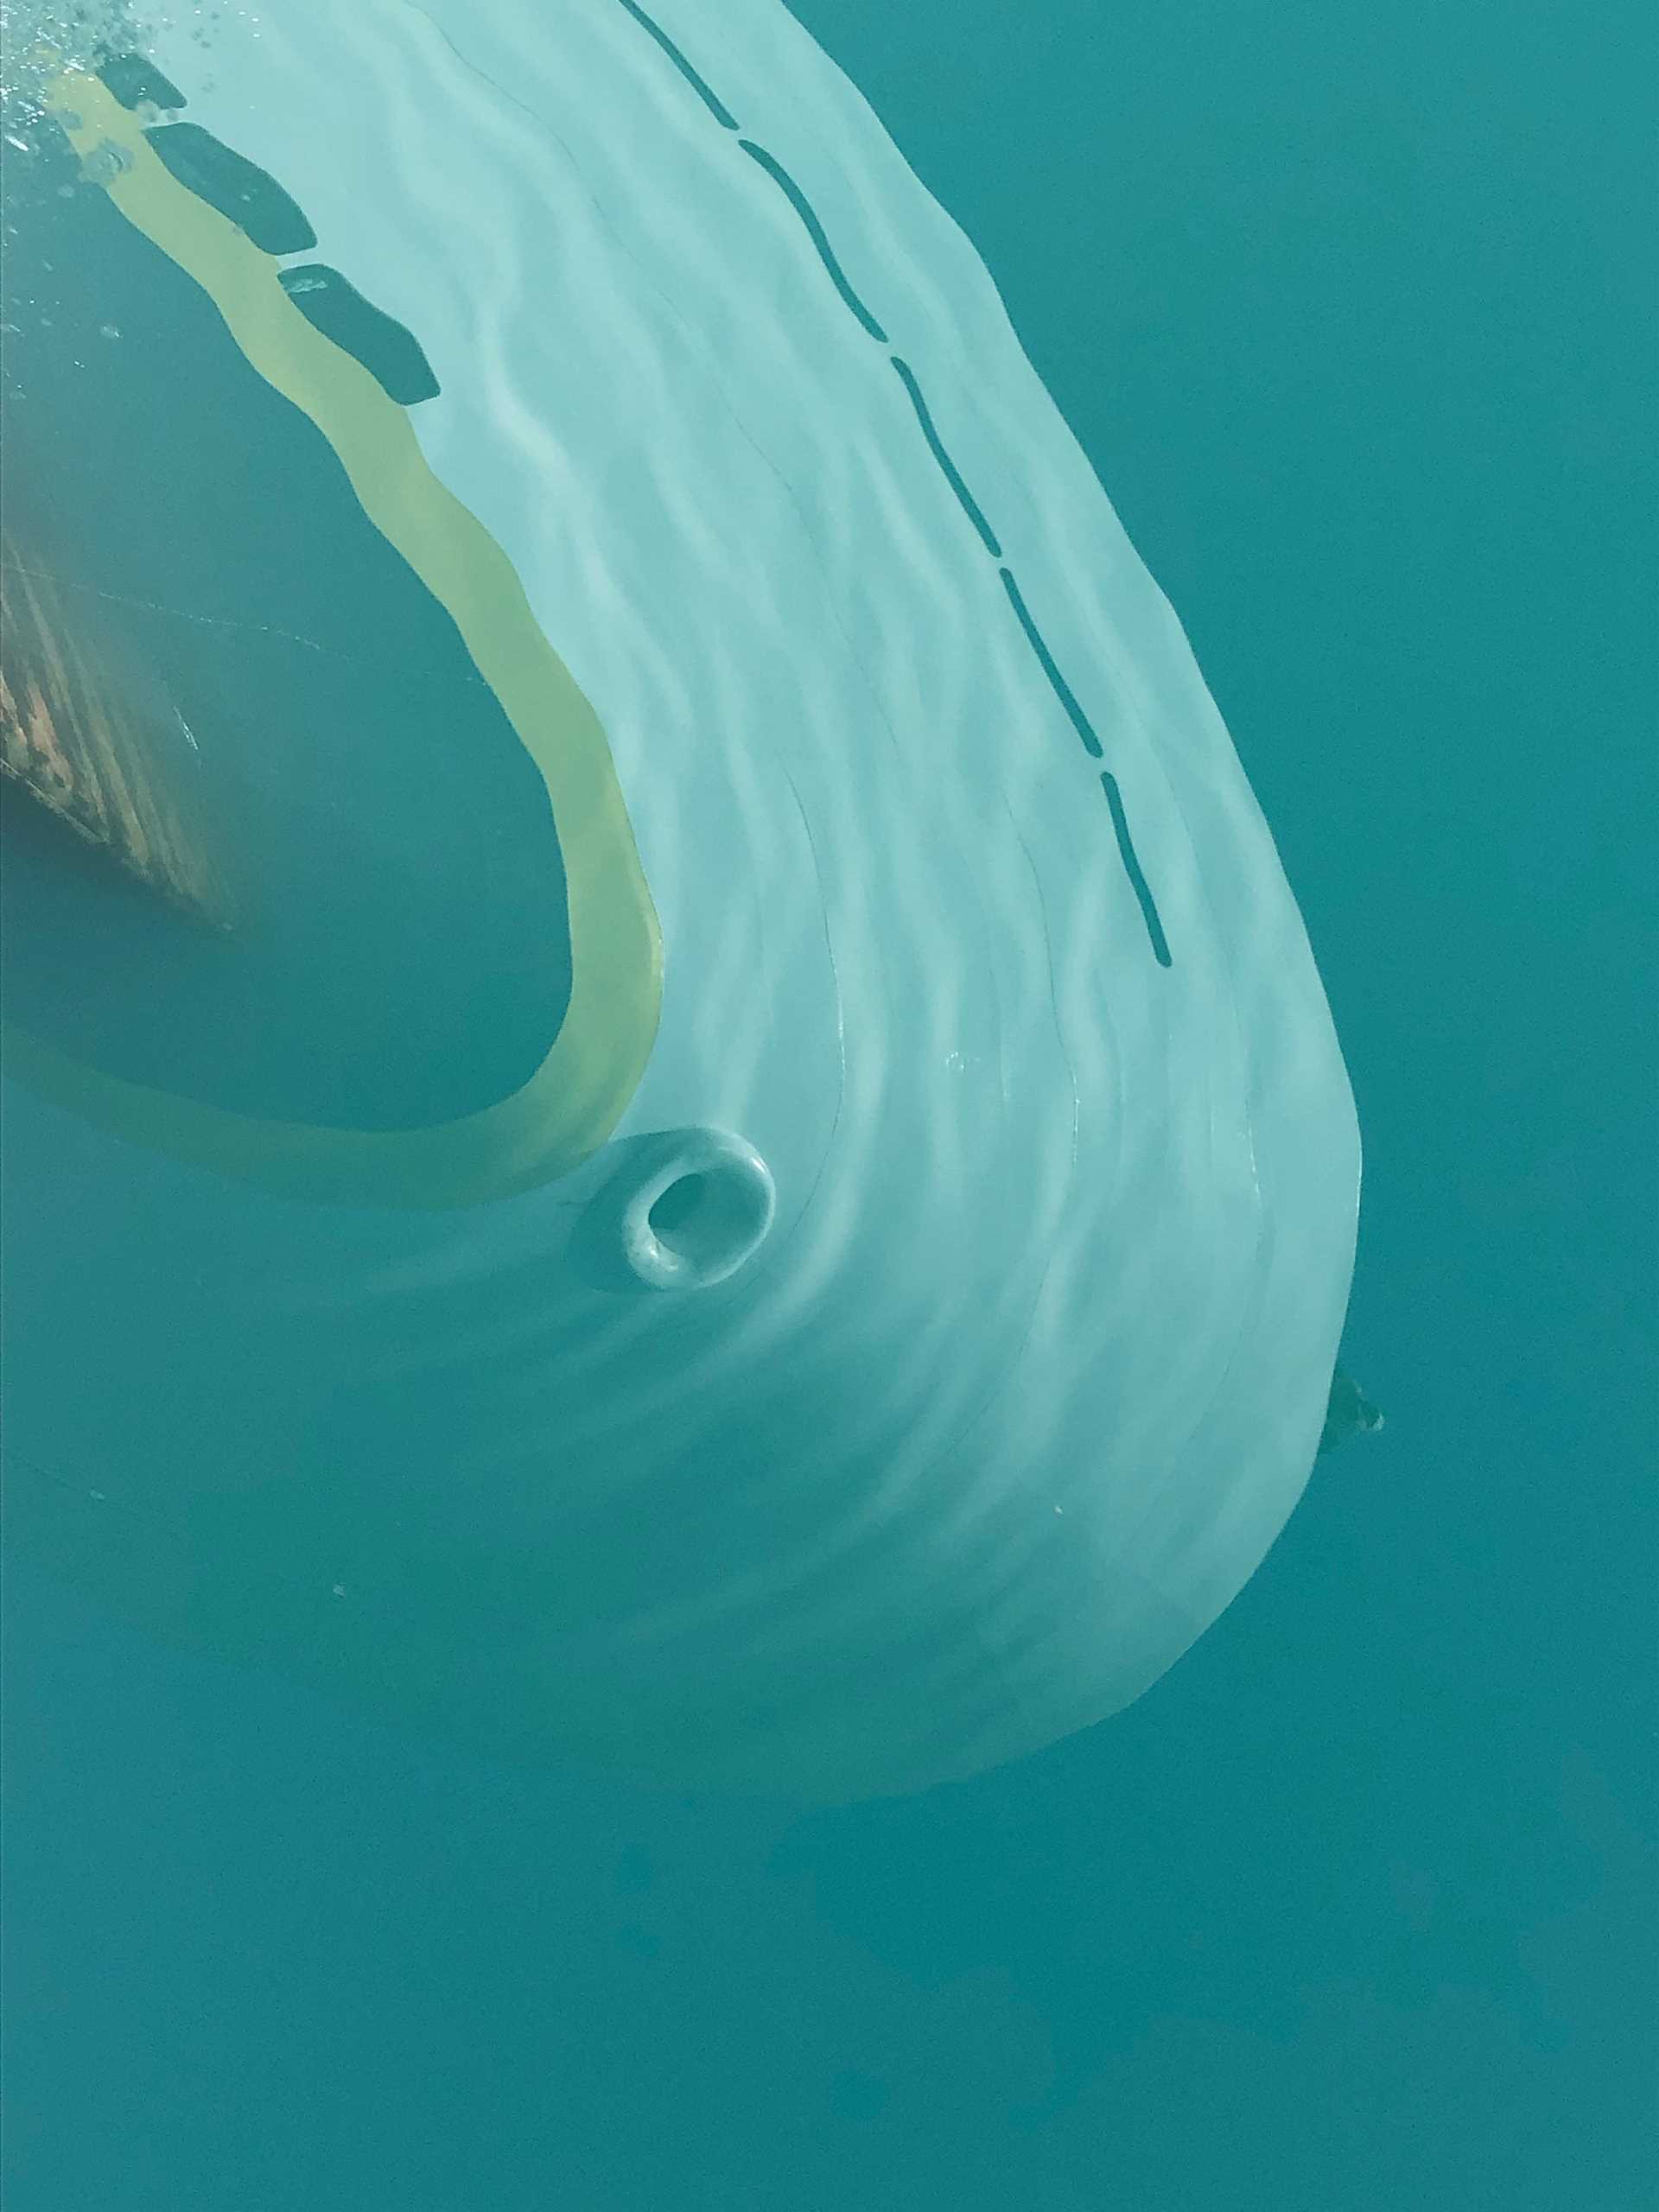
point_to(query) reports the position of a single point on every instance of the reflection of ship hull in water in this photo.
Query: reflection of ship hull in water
(88, 731)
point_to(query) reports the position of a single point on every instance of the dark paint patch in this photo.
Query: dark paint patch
(715, 106)
(391, 354)
(133, 81)
(238, 188)
(814, 230)
(1125, 852)
(1063, 690)
(936, 447)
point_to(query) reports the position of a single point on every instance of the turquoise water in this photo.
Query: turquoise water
(1349, 1910)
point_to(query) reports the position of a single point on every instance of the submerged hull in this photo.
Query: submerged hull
(905, 1315)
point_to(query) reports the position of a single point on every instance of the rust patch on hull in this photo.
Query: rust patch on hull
(86, 730)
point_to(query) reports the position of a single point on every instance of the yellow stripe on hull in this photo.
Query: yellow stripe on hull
(571, 1103)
